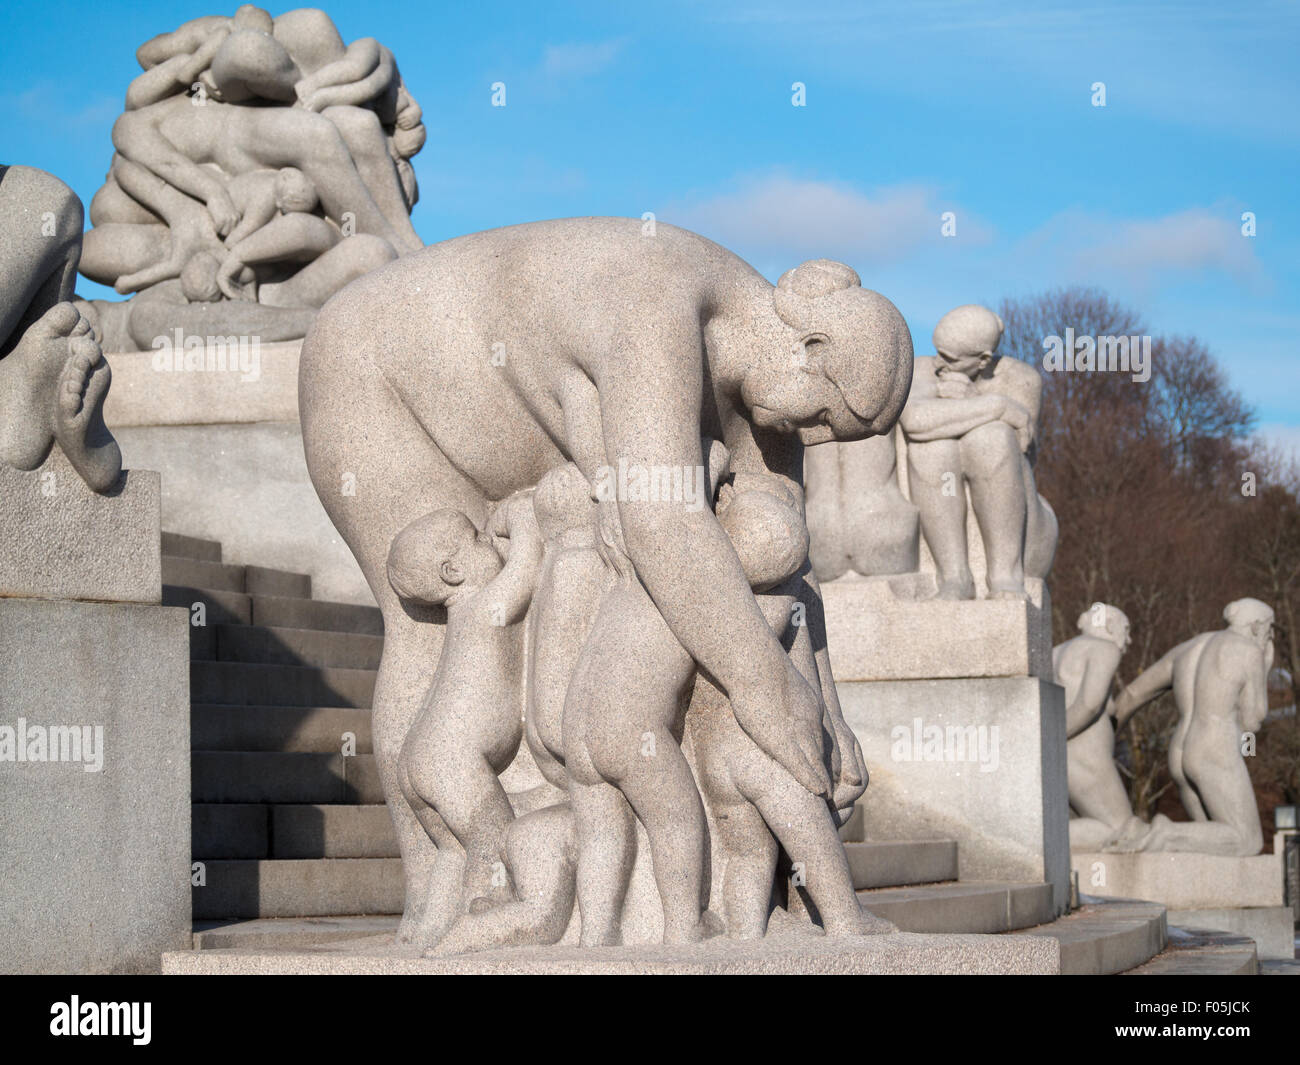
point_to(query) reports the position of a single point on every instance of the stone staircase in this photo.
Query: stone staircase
(298, 850)
(288, 816)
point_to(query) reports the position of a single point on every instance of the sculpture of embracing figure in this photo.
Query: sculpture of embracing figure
(1220, 684)
(537, 359)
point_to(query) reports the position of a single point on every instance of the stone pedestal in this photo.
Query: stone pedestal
(978, 760)
(94, 731)
(1203, 891)
(886, 628)
(900, 953)
(229, 446)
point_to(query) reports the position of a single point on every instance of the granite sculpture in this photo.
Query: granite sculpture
(604, 369)
(260, 165)
(1085, 667)
(1220, 685)
(964, 451)
(53, 376)
(970, 423)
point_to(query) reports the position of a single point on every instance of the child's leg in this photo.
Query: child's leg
(658, 782)
(458, 798)
(606, 851)
(749, 852)
(442, 890)
(541, 849)
(803, 824)
(466, 793)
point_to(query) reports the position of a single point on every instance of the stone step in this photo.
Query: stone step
(279, 933)
(969, 906)
(293, 613)
(1104, 937)
(193, 573)
(299, 831)
(261, 580)
(221, 608)
(229, 830)
(254, 684)
(1196, 953)
(297, 647)
(263, 777)
(854, 830)
(226, 577)
(291, 830)
(897, 863)
(180, 546)
(307, 888)
(287, 729)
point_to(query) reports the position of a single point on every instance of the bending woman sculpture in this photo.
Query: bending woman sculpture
(464, 372)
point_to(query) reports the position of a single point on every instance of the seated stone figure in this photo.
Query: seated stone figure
(53, 376)
(469, 728)
(1085, 667)
(1220, 684)
(970, 420)
(754, 801)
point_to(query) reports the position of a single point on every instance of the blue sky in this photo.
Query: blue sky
(913, 109)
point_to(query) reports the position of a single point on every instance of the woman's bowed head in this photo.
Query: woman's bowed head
(851, 359)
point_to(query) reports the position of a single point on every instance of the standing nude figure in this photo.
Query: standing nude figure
(460, 374)
(970, 420)
(1085, 667)
(1220, 684)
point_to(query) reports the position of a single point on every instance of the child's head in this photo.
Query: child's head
(562, 501)
(294, 191)
(437, 554)
(768, 533)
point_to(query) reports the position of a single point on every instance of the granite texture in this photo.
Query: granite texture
(94, 865)
(979, 760)
(891, 628)
(898, 954)
(64, 541)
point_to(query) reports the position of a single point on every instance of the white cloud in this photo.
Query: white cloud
(792, 219)
(1094, 248)
(580, 60)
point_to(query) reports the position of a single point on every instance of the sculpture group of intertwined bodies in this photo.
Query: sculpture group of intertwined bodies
(260, 165)
(568, 457)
